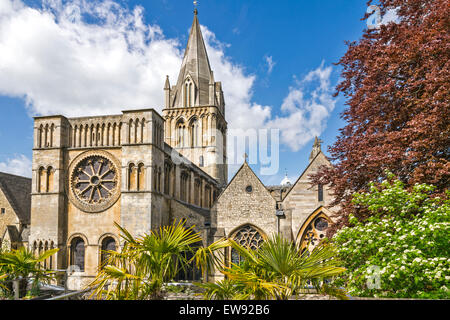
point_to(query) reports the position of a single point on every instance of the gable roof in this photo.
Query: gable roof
(17, 190)
(245, 165)
(304, 172)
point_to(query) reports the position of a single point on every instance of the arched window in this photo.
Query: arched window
(108, 244)
(46, 260)
(197, 185)
(142, 131)
(52, 130)
(159, 180)
(40, 137)
(207, 197)
(190, 272)
(132, 177)
(181, 134)
(248, 237)
(41, 180)
(320, 192)
(166, 178)
(188, 94)
(314, 231)
(141, 177)
(50, 178)
(77, 253)
(184, 192)
(195, 133)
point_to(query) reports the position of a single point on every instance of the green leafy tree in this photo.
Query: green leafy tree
(402, 249)
(396, 83)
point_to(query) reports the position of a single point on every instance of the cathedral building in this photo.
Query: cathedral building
(142, 169)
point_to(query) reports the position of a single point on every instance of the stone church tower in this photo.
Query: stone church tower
(194, 110)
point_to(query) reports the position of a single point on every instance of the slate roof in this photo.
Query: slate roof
(18, 192)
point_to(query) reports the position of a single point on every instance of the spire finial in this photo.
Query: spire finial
(195, 7)
(245, 157)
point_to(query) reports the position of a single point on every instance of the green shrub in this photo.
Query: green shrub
(402, 250)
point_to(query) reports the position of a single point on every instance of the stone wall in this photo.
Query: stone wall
(302, 200)
(236, 206)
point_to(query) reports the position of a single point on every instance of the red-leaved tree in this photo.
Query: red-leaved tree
(396, 84)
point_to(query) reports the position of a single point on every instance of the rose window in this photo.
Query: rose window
(94, 183)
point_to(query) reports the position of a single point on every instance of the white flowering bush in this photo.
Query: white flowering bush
(402, 250)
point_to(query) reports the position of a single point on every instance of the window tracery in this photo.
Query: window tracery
(248, 237)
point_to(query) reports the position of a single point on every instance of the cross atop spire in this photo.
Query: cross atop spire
(195, 7)
(316, 148)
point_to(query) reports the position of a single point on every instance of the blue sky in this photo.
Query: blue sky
(275, 56)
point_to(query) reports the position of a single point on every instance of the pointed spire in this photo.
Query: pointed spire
(195, 65)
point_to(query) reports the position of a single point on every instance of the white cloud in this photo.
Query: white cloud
(306, 110)
(20, 165)
(62, 63)
(270, 63)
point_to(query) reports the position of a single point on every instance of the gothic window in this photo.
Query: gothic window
(45, 249)
(181, 134)
(207, 197)
(50, 259)
(190, 272)
(184, 186)
(201, 161)
(159, 179)
(195, 133)
(320, 192)
(77, 253)
(155, 178)
(248, 237)
(197, 185)
(314, 232)
(188, 94)
(108, 244)
(166, 178)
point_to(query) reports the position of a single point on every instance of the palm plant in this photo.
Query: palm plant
(139, 271)
(277, 270)
(23, 264)
(221, 290)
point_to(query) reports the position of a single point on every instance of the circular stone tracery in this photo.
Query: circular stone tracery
(94, 182)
